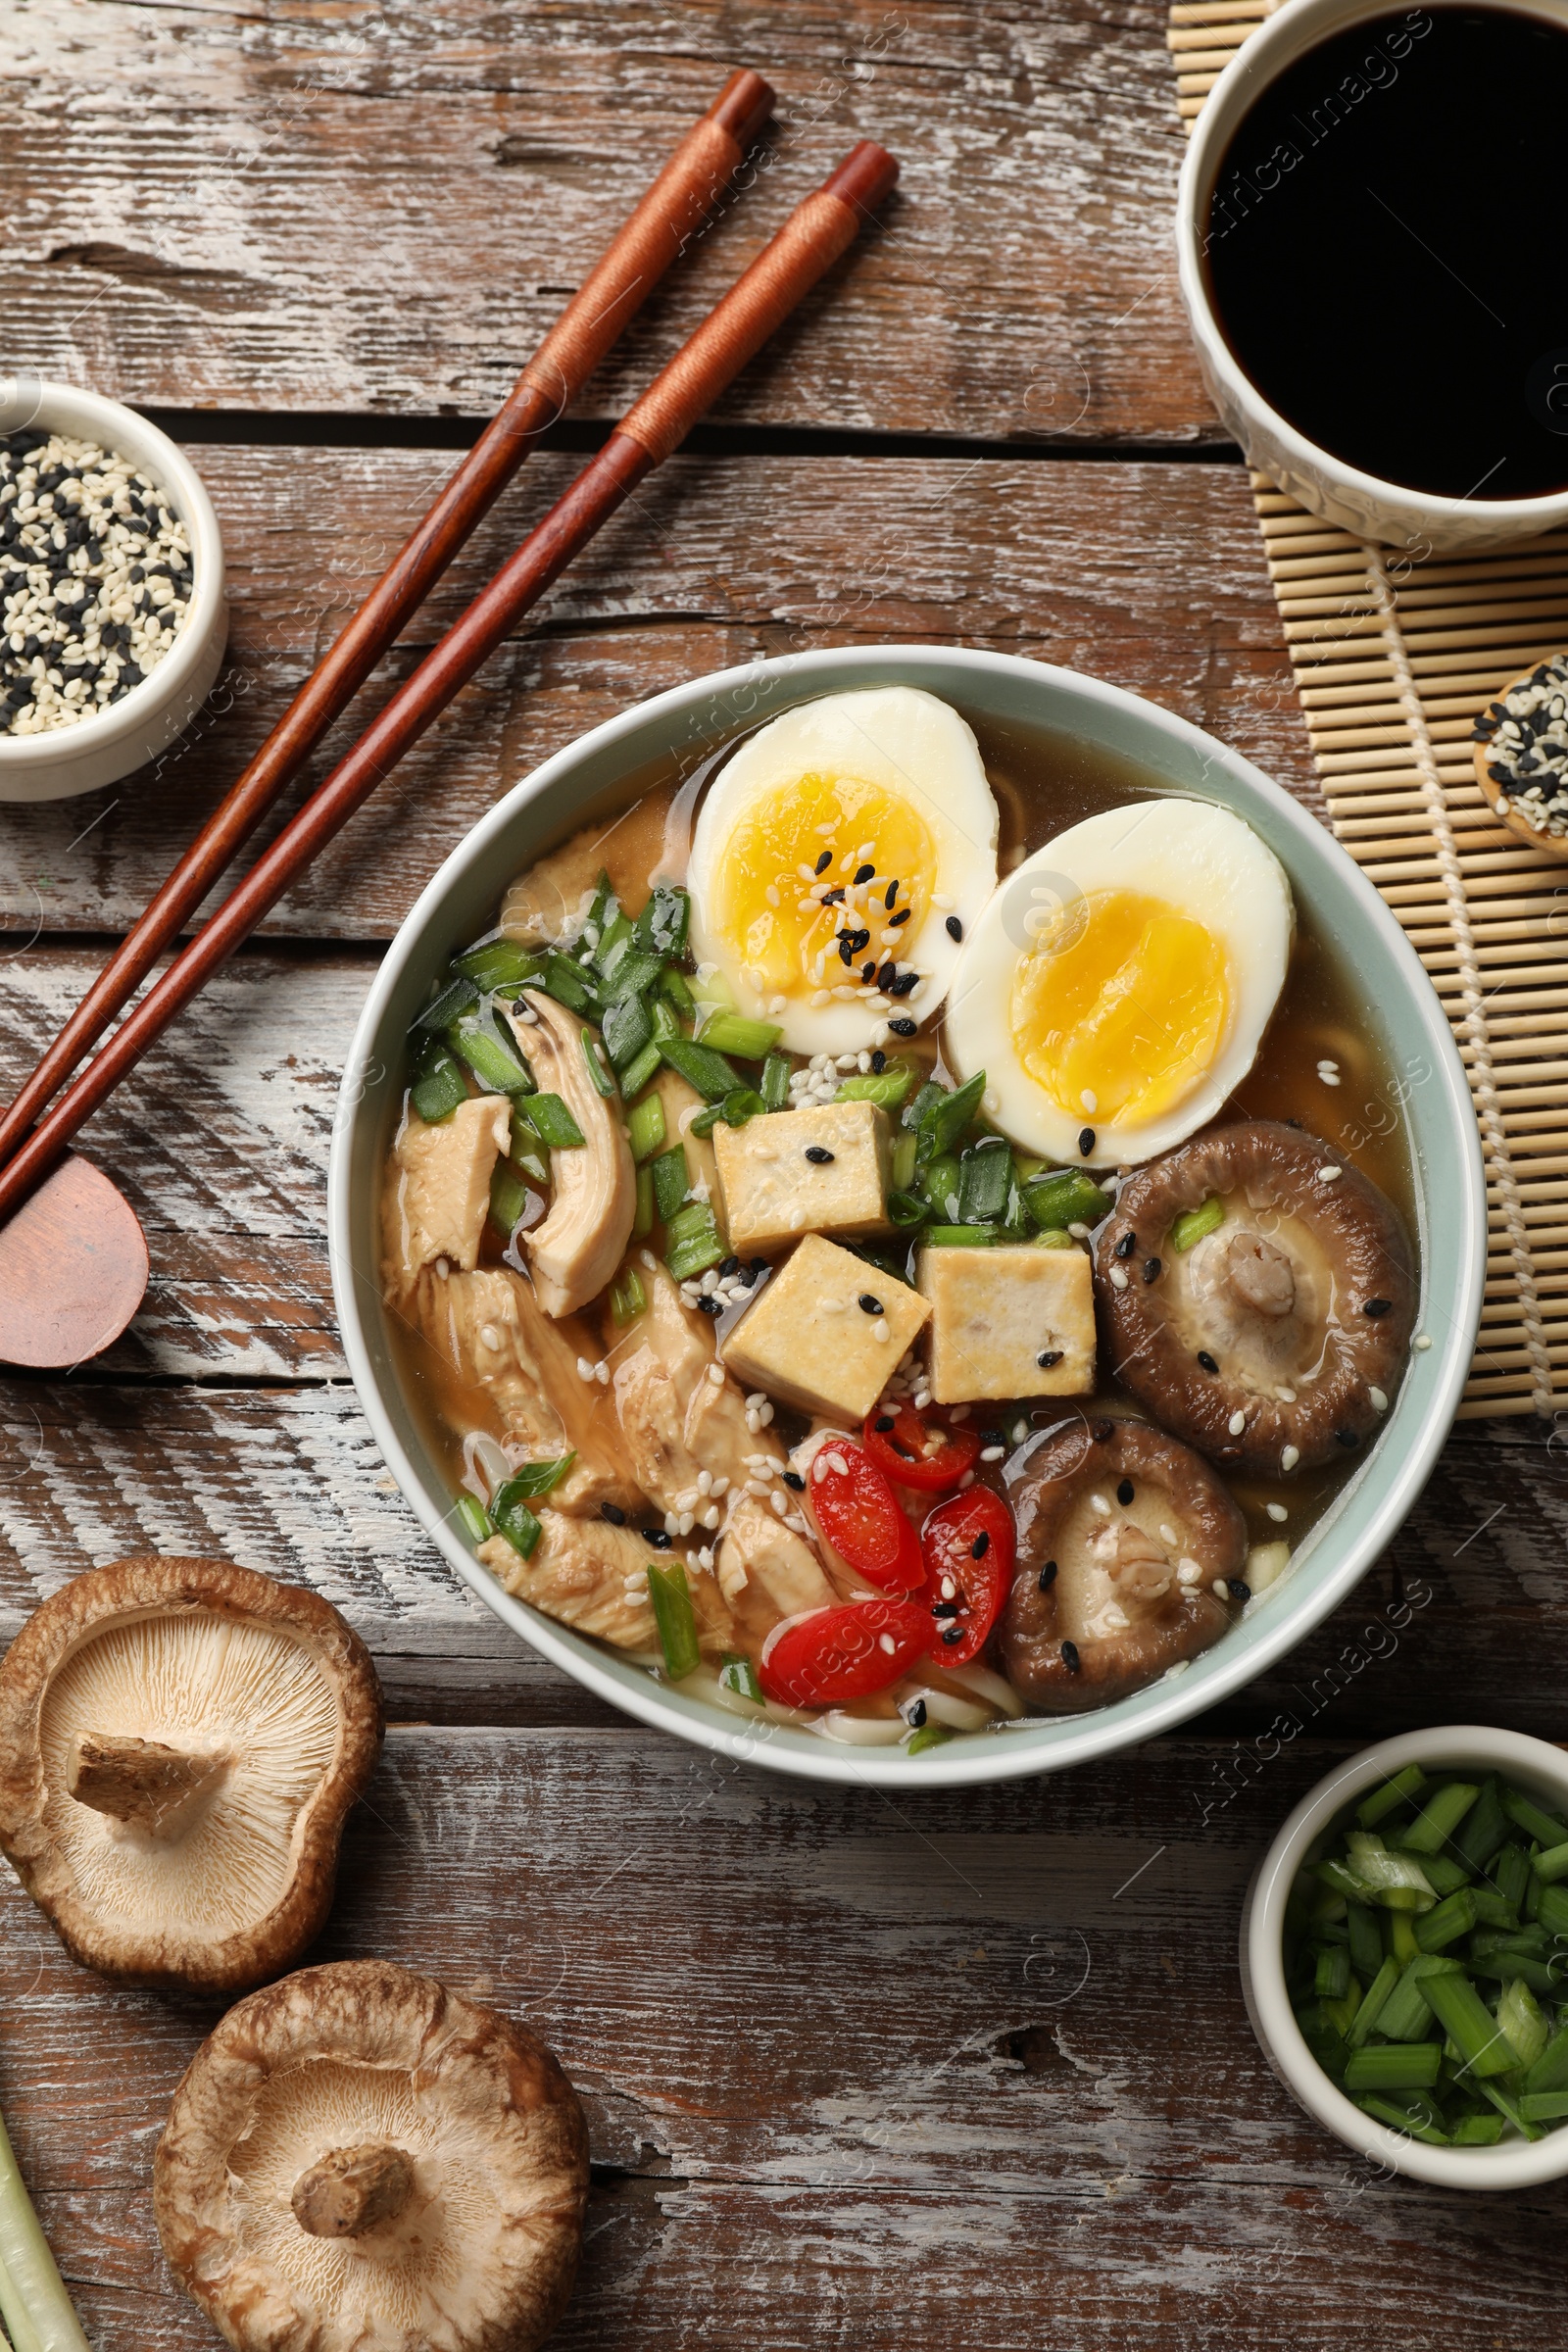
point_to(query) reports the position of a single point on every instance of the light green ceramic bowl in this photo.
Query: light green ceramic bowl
(1401, 1010)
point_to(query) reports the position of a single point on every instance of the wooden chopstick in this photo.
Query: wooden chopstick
(685, 194)
(816, 232)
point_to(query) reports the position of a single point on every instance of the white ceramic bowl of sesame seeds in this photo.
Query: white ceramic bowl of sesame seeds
(55, 760)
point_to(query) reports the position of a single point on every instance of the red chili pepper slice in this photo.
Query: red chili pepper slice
(861, 1516)
(968, 1542)
(898, 1441)
(834, 1655)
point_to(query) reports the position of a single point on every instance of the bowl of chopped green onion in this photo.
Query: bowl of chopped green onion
(1404, 1956)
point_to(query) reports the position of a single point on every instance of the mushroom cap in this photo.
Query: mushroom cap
(273, 1708)
(1307, 1287)
(482, 2256)
(1112, 1520)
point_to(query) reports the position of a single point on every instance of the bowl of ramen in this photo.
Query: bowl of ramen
(905, 1214)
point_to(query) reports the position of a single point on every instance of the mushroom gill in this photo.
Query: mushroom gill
(1275, 1337)
(1122, 1535)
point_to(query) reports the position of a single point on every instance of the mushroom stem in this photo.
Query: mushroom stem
(140, 1781)
(352, 2192)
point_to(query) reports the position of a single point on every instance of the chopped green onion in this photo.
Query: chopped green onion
(1066, 1198)
(627, 1297)
(642, 1223)
(636, 1075)
(939, 1181)
(708, 1072)
(671, 1183)
(1520, 2016)
(695, 1242)
(665, 1019)
(738, 1674)
(925, 1097)
(1548, 1867)
(39, 2312)
(1452, 1918)
(674, 1617)
(439, 1086)
(1417, 2125)
(775, 1081)
(509, 1197)
(1323, 2039)
(675, 993)
(1366, 1940)
(628, 1027)
(1446, 1877)
(742, 1103)
(985, 1177)
(615, 942)
(598, 917)
(531, 1481)
(1544, 2106)
(455, 998)
(1491, 1909)
(1331, 1979)
(1439, 1818)
(1552, 1910)
(1524, 1814)
(724, 1032)
(1483, 1830)
(645, 1127)
(886, 1088)
(900, 1176)
(568, 984)
(1476, 2131)
(1398, 1790)
(508, 1508)
(501, 966)
(599, 1077)
(1407, 2011)
(960, 1237)
(491, 1052)
(553, 1123)
(944, 1123)
(473, 1519)
(660, 928)
(631, 976)
(928, 1734)
(1467, 2021)
(1050, 1239)
(1377, 1994)
(1393, 2066)
(907, 1209)
(1550, 2070)
(1510, 1961)
(1194, 1223)
(1508, 2106)
(1396, 1881)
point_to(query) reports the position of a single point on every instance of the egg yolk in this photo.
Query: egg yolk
(785, 900)
(1122, 1009)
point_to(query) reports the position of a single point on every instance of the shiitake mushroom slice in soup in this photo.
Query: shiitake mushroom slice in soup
(1256, 1293)
(1122, 1536)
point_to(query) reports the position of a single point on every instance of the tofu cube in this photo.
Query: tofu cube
(774, 1189)
(810, 1341)
(995, 1313)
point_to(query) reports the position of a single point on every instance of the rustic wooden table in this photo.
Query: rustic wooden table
(958, 2072)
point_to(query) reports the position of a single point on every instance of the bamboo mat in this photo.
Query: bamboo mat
(1390, 673)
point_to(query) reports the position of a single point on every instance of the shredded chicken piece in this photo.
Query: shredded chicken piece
(767, 1571)
(545, 905)
(487, 1327)
(583, 1572)
(439, 1194)
(576, 1250)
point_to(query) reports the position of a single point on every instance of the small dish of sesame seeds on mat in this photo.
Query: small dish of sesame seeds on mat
(1521, 753)
(112, 614)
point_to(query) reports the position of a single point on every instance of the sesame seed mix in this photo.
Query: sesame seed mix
(1528, 735)
(96, 575)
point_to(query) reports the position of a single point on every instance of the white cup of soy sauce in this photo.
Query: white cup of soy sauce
(1372, 233)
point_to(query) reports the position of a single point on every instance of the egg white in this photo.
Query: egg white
(1195, 857)
(909, 745)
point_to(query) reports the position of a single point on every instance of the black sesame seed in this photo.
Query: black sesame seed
(890, 898)
(707, 1305)
(1047, 1576)
(818, 1154)
(879, 1062)
(944, 1608)
(1103, 1431)
(833, 898)
(904, 1026)
(614, 1514)
(1206, 1360)
(883, 1423)
(887, 975)
(1347, 1437)
(1069, 1657)
(992, 1437)
(656, 1537)
(1049, 1359)
(824, 861)
(728, 1266)
(1127, 1245)
(955, 929)
(1377, 1306)
(980, 1546)
(1238, 1588)
(795, 1482)
(951, 1633)
(869, 1304)
(860, 940)
(847, 948)
(915, 1716)
(758, 1267)
(901, 986)
(902, 916)
(864, 873)
(868, 971)
(1124, 1493)
(1150, 1269)
(1086, 1140)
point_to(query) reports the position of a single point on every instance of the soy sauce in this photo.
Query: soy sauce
(1386, 250)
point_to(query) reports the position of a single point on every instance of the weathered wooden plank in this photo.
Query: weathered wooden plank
(1148, 575)
(875, 2073)
(380, 208)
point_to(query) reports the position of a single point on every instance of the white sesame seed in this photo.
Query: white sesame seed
(1080, 1233)
(1119, 1277)
(687, 1523)
(672, 1523)
(765, 1414)
(585, 1370)
(1237, 1422)
(992, 1454)
(1219, 1588)
(1290, 1457)
(715, 1373)
(1277, 1512)
(1330, 1175)
(1380, 1403)
(713, 1515)
(1286, 1396)
(779, 1501)
(1089, 1100)
(1189, 1572)
(950, 1590)
(1421, 1341)
(1097, 1503)
(705, 1482)
(881, 1330)
(705, 1557)
(602, 1373)
(887, 1642)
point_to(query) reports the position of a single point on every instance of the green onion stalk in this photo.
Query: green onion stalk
(33, 2301)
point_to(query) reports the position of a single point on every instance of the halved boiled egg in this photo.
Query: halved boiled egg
(838, 861)
(1118, 987)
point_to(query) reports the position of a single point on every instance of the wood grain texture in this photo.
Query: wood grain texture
(1148, 574)
(381, 209)
(968, 2070)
